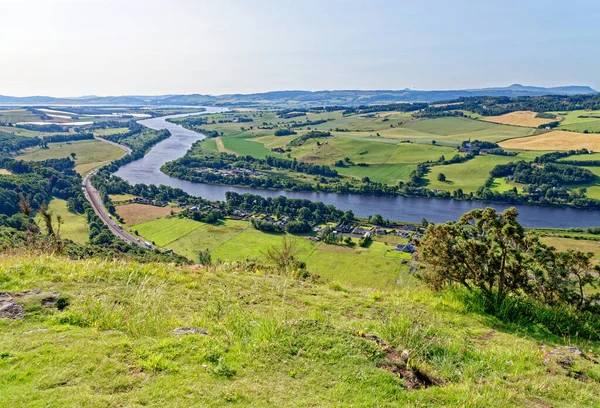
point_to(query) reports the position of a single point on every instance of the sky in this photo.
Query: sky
(152, 47)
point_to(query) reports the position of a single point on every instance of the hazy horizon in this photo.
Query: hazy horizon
(68, 48)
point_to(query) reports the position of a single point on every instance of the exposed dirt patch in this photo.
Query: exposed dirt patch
(398, 362)
(488, 336)
(568, 361)
(138, 213)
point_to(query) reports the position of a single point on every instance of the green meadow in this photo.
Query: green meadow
(90, 154)
(237, 241)
(573, 121)
(471, 175)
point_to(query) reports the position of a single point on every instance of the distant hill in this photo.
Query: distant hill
(301, 98)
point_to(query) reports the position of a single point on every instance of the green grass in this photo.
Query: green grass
(272, 342)
(383, 173)
(382, 151)
(90, 154)
(237, 241)
(471, 175)
(110, 131)
(163, 231)
(18, 115)
(452, 131)
(573, 122)
(210, 144)
(75, 226)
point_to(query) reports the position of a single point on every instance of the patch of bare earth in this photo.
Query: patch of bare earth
(137, 213)
(398, 362)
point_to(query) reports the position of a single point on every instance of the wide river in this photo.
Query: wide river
(147, 171)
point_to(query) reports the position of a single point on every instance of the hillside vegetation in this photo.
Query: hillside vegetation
(100, 333)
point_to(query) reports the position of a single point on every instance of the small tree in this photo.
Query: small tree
(73, 155)
(441, 177)
(204, 258)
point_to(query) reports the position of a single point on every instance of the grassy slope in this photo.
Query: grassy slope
(90, 153)
(271, 342)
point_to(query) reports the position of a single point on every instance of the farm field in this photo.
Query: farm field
(5, 172)
(572, 121)
(380, 173)
(237, 241)
(363, 151)
(519, 118)
(110, 131)
(75, 226)
(555, 140)
(18, 115)
(563, 244)
(138, 213)
(452, 131)
(471, 175)
(90, 154)
(121, 197)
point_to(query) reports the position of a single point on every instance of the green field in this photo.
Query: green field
(471, 175)
(110, 131)
(381, 173)
(75, 225)
(18, 115)
(452, 131)
(383, 151)
(572, 121)
(237, 241)
(90, 154)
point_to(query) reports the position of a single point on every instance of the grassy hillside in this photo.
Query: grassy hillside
(266, 341)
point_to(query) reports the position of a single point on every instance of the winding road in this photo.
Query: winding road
(93, 196)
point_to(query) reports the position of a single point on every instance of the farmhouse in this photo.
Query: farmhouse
(406, 248)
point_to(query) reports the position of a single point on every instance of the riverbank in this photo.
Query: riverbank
(412, 209)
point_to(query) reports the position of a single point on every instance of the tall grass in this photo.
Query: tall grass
(531, 314)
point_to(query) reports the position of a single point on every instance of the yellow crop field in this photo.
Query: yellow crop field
(519, 118)
(555, 140)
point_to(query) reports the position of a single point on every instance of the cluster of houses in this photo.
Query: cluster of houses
(230, 172)
(147, 201)
(403, 231)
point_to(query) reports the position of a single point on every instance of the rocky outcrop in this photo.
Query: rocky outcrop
(9, 309)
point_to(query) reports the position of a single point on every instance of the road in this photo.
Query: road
(93, 196)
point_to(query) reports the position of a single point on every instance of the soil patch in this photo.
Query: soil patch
(138, 213)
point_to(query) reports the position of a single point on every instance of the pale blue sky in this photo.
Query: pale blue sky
(108, 47)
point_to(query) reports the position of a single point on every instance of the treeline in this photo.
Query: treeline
(313, 134)
(494, 106)
(11, 143)
(400, 107)
(298, 209)
(551, 173)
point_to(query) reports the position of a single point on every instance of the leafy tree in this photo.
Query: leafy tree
(441, 177)
(204, 257)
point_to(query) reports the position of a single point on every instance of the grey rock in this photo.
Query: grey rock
(9, 309)
(189, 330)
